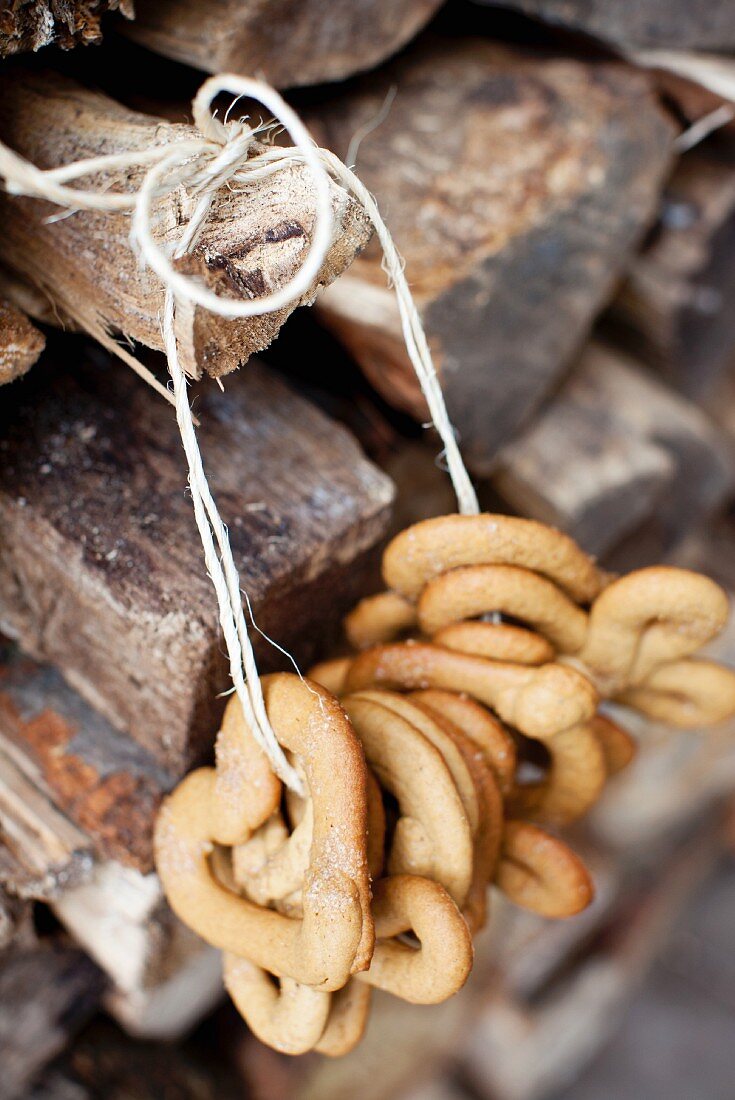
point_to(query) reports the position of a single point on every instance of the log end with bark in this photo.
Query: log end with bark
(254, 241)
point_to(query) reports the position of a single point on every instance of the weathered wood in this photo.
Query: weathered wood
(21, 343)
(252, 243)
(48, 990)
(515, 189)
(31, 24)
(680, 24)
(674, 307)
(101, 567)
(291, 42)
(614, 448)
(106, 785)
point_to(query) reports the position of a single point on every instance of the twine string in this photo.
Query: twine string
(222, 155)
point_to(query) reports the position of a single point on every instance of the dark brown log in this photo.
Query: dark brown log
(516, 189)
(615, 448)
(31, 24)
(101, 567)
(680, 24)
(104, 1061)
(675, 307)
(14, 915)
(252, 243)
(48, 990)
(21, 343)
(289, 41)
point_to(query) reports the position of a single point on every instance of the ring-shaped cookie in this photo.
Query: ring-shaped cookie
(648, 618)
(688, 693)
(380, 618)
(539, 872)
(432, 829)
(539, 701)
(437, 545)
(439, 967)
(335, 936)
(496, 642)
(474, 590)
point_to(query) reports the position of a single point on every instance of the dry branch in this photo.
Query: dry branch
(253, 243)
(516, 189)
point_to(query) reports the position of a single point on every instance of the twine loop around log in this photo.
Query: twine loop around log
(221, 156)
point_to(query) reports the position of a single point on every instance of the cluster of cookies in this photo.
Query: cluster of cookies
(467, 721)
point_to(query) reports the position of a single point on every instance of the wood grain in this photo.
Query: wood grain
(83, 264)
(101, 568)
(516, 189)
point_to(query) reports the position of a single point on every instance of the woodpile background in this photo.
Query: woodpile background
(569, 240)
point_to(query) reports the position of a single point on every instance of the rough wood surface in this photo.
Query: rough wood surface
(252, 243)
(14, 916)
(101, 567)
(21, 343)
(614, 448)
(675, 307)
(515, 189)
(104, 783)
(290, 42)
(48, 990)
(681, 24)
(31, 24)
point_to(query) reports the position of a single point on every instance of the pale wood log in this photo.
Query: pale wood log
(48, 991)
(21, 343)
(614, 448)
(674, 307)
(515, 189)
(253, 243)
(680, 24)
(101, 566)
(31, 24)
(291, 42)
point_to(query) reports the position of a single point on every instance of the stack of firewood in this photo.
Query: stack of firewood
(564, 200)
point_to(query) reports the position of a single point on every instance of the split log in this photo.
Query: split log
(21, 343)
(101, 566)
(78, 765)
(680, 24)
(515, 189)
(613, 449)
(252, 244)
(82, 821)
(31, 24)
(291, 42)
(675, 305)
(48, 991)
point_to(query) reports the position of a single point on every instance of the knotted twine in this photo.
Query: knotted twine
(204, 164)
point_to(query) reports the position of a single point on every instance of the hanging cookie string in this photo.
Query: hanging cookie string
(221, 155)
